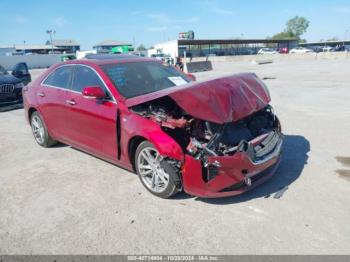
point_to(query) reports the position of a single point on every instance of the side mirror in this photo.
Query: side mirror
(192, 77)
(93, 92)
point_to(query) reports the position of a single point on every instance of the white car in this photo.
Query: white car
(267, 51)
(163, 57)
(327, 48)
(300, 50)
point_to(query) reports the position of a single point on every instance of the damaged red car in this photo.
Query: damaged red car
(211, 139)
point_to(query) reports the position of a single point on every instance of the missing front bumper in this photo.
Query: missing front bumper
(235, 174)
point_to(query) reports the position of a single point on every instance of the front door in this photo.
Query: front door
(91, 122)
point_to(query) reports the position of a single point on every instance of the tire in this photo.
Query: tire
(40, 133)
(157, 176)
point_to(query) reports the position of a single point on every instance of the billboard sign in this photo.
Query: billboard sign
(187, 35)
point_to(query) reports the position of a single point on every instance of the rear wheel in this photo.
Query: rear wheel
(41, 135)
(157, 176)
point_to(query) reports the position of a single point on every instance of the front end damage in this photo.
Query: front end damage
(222, 158)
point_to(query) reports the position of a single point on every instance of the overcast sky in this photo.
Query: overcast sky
(152, 21)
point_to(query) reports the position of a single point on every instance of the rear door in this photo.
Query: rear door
(91, 122)
(51, 96)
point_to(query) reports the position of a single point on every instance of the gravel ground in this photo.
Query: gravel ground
(63, 201)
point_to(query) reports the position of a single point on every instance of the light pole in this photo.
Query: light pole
(346, 35)
(24, 47)
(50, 33)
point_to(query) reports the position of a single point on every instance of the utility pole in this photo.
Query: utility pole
(50, 33)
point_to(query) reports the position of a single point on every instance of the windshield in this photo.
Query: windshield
(2, 71)
(137, 78)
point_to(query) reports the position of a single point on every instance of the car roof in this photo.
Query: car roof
(102, 59)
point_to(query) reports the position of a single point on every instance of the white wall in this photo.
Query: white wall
(168, 48)
(5, 51)
(151, 52)
(33, 61)
(82, 54)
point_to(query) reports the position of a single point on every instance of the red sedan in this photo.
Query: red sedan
(211, 139)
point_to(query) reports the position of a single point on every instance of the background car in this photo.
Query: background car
(283, 50)
(264, 51)
(339, 48)
(152, 119)
(165, 58)
(245, 51)
(316, 49)
(326, 48)
(300, 50)
(11, 84)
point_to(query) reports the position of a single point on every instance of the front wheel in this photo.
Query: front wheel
(41, 135)
(159, 177)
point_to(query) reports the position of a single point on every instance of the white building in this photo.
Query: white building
(168, 48)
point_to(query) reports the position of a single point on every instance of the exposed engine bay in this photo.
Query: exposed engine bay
(201, 138)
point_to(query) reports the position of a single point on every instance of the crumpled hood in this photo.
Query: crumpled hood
(221, 100)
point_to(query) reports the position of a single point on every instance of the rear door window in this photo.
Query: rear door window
(61, 77)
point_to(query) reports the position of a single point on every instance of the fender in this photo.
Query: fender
(152, 132)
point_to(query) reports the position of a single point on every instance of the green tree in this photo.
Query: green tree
(283, 35)
(141, 48)
(297, 26)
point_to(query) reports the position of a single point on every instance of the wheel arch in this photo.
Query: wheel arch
(31, 110)
(165, 145)
(134, 142)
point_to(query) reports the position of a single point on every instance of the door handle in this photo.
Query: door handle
(71, 102)
(41, 94)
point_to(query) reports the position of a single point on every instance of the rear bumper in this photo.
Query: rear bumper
(234, 175)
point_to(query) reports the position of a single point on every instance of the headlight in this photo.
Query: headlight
(19, 85)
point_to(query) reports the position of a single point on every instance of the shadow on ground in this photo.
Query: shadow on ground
(59, 145)
(294, 158)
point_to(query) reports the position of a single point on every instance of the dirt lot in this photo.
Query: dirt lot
(63, 201)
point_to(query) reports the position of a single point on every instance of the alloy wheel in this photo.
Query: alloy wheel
(38, 129)
(152, 174)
